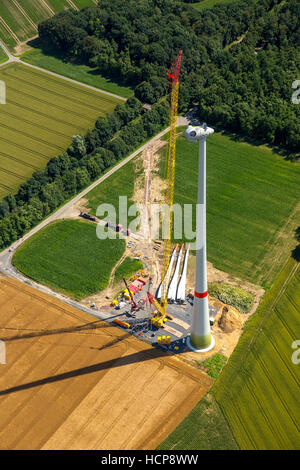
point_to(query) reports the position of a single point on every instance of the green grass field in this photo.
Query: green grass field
(205, 4)
(67, 256)
(258, 389)
(128, 267)
(19, 18)
(251, 195)
(120, 183)
(3, 56)
(79, 72)
(41, 116)
(205, 428)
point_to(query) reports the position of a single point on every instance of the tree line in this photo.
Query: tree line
(239, 59)
(112, 138)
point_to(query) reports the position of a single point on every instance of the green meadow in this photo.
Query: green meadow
(121, 183)
(68, 257)
(128, 267)
(209, 4)
(80, 72)
(252, 194)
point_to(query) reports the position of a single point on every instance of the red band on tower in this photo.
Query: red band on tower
(201, 295)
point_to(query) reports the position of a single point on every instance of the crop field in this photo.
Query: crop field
(205, 428)
(128, 267)
(258, 390)
(252, 205)
(41, 116)
(19, 18)
(68, 256)
(72, 381)
(3, 56)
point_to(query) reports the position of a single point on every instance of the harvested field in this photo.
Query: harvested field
(41, 116)
(73, 382)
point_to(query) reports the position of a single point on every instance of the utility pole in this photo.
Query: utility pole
(201, 339)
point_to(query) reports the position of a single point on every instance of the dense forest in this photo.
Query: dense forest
(245, 87)
(239, 63)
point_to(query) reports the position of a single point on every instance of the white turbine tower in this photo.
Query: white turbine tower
(201, 339)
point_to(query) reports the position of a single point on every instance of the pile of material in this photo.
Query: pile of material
(230, 319)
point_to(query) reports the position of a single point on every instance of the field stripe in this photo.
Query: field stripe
(22, 147)
(72, 5)
(84, 91)
(9, 172)
(5, 187)
(52, 118)
(9, 30)
(18, 160)
(24, 14)
(40, 126)
(32, 136)
(51, 103)
(48, 7)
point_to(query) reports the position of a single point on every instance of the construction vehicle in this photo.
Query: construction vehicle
(134, 305)
(160, 317)
(124, 324)
(84, 215)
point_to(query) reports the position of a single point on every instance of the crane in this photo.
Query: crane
(173, 75)
(134, 305)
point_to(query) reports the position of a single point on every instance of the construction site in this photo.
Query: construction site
(125, 378)
(162, 303)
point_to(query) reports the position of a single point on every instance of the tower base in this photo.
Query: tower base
(209, 348)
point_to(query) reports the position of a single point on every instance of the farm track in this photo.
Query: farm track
(37, 139)
(52, 13)
(22, 147)
(10, 31)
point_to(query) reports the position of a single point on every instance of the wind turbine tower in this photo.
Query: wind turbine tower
(201, 339)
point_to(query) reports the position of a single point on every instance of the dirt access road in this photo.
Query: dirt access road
(71, 382)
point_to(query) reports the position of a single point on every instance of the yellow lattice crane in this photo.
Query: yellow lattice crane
(173, 74)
